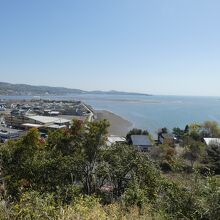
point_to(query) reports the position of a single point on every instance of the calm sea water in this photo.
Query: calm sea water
(151, 112)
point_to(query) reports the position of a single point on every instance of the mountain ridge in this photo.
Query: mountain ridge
(26, 89)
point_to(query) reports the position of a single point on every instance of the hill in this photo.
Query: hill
(24, 89)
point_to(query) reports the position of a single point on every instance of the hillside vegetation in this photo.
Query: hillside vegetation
(74, 175)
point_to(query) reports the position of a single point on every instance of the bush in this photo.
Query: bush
(33, 205)
(89, 208)
(135, 196)
(86, 207)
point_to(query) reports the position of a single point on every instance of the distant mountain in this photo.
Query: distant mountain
(23, 89)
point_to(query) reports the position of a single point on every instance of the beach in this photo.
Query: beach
(118, 125)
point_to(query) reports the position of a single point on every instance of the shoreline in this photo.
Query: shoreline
(118, 125)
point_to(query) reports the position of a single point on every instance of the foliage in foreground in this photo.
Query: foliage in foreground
(74, 175)
(172, 202)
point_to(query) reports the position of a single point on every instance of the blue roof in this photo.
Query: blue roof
(140, 140)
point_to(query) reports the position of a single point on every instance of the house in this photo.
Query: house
(2, 106)
(210, 141)
(8, 134)
(142, 142)
(115, 139)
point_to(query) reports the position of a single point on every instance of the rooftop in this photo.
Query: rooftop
(48, 119)
(9, 130)
(115, 139)
(210, 141)
(57, 126)
(29, 125)
(140, 140)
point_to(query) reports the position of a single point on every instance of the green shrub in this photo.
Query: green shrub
(33, 205)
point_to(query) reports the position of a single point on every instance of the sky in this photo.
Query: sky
(167, 47)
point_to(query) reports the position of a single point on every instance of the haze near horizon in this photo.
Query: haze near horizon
(156, 47)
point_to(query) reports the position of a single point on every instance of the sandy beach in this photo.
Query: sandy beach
(119, 126)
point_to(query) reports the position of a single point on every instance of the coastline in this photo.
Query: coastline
(118, 125)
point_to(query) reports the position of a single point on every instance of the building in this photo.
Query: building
(142, 142)
(9, 134)
(210, 141)
(114, 140)
(39, 121)
(36, 121)
(2, 106)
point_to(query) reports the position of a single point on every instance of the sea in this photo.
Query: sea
(149, 112)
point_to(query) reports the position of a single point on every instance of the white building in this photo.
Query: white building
(37, 121)
(115, 139)
(210, 141)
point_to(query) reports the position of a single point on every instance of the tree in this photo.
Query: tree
(69, 155)
(120, 161)
(93, 142)
(212, 158)
(127, 165)
(179, 133)
(164, 130)
(193, 151)
(16, 158)
(186, 130)
(210, 129)
(195, 131)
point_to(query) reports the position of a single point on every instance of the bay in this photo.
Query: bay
(149, 112)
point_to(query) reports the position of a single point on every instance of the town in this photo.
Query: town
(17, 117)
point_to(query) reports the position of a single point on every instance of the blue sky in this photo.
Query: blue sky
(158, 46)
